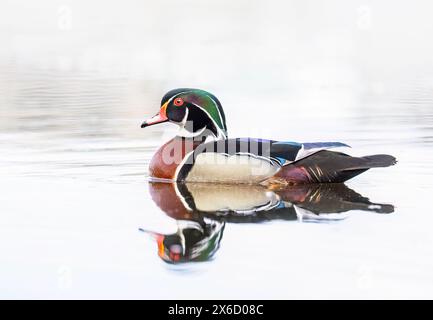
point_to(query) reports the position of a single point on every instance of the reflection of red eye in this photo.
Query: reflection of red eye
(178, 102)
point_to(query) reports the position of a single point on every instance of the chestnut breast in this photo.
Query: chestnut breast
(165, 197)
(166, 160)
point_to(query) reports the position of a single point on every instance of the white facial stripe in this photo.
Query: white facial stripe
(221, 134)
(219, 112)
(185, 117)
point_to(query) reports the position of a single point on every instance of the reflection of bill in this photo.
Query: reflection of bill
(202, 210)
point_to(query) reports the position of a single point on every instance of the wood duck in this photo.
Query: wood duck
(202, 151)
(202, 210)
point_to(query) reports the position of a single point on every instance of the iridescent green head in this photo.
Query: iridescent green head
(196, 111)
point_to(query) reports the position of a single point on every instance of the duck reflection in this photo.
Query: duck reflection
(202, 210)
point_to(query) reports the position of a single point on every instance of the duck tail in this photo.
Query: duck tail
(331, 167)
(378, 161)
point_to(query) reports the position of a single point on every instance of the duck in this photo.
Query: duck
(203, 152)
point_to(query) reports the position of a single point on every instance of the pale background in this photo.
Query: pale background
(78, 77)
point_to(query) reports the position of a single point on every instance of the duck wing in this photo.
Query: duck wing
(288, 152)
(330, 167)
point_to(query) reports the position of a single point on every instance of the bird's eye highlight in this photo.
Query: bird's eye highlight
(178, 102)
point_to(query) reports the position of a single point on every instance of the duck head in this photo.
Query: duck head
(196, 112)
(194, 241)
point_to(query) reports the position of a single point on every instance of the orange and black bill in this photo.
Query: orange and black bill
(160, 117)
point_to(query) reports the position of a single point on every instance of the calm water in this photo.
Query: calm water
(79, 219)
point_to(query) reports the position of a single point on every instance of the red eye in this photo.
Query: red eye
(178, 102)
